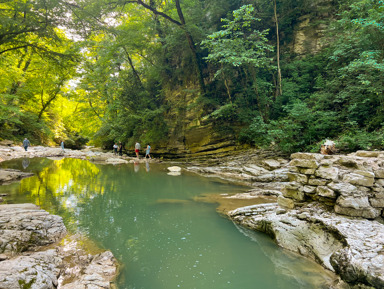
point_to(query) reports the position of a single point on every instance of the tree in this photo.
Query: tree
(239, 45)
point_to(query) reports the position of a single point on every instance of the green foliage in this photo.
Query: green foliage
(139, 62)
(360, 139)
(238, 44)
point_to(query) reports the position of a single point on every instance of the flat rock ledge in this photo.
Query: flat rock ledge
(30, 256)
(91, 154)
(8, 176)
(353, 248)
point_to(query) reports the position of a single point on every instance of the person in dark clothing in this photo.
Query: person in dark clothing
(120, 148)
(26, 144)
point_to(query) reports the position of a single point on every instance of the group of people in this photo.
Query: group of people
(118, 149)
(147, 151)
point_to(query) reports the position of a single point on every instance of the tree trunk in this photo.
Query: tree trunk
(279, 88)
(188, 35)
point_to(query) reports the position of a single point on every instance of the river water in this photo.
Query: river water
(155, 228)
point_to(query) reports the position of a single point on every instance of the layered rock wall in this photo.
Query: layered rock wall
(352, 185)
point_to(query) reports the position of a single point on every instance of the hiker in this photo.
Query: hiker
(148, 151)
(26, 144)
(62, 146)
(115, 149)
(137, 149)
(120, 148)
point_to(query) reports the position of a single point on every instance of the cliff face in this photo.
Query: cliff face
(193, 132)
(309, 30)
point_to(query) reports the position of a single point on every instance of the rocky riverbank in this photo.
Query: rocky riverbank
(329, 208)
(35, 250)
(90, 153)
(31, 256)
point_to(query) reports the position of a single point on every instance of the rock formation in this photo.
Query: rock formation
(27, 262)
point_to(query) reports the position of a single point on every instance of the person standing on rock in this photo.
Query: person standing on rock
(120, 148)
(115, 149)
(62, 146)
(148, 151)
(26, 144)
(137, 149)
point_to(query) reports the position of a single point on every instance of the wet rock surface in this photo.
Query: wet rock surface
(30, 256)
(7, 176)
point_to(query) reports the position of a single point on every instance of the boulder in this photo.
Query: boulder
(327, 172)
(350, 247)
(174, 169)
(325, 192)
(26, 227)
(6, 142)
(36, 271)
(358, 179)
(345, 189)
(379, 173)
(299, 178)
(285, 202)
(294, 191)
(271, 164)
(307, 156)
(304, 163)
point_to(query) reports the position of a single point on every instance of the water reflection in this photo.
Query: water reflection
(152, 225)
(147, 166)
(136, 166)
(25, 163)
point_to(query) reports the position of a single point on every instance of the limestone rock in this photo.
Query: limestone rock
(350, 247)
(8, 175)
(271, 164)
(36, 271)
(307, 156)
(368, 154)
(326, 192)
(379, 173)
(306, 171)
(255, 170)
(368, 213)
(304, 163)
(299, 178)
(345, 189)
(294, 191)
(348, 162)
(329, 173)
(309, 189)
(6, 142)
(358, 179)
(317, 182)
(285, 202)
(116, 161)
(25, 226)
(174, 169)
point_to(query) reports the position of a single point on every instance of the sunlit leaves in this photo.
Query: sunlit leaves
(239, 44)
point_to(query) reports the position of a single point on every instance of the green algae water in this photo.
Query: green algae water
(153, 226)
